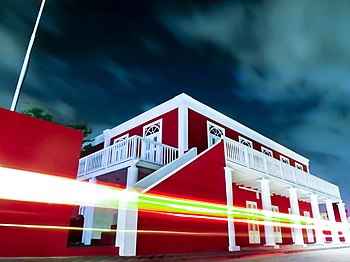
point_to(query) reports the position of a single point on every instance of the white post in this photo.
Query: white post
(106, 138)
(230, 221)
(126, 238)
(344, 220)
(266, 204)
(317, 217)
(183, 129)
(132, 175)
(26, 59)
(88, 220)
(294, 206)
(331, 217)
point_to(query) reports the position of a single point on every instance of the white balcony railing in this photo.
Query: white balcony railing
(134, 147)
(253, 159)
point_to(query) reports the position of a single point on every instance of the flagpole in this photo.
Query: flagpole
(26, 60)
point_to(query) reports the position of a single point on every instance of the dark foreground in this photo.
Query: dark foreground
(327, 252)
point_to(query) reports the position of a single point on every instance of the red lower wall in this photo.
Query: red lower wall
(35, 145)
(203, 179)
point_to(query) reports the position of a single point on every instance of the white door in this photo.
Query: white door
(120, 149)
(292, 228)
(151, 149)
(253, 228)
(309, 232)
(277, 229)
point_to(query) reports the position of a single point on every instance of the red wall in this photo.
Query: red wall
(32, 144)
(202, 179)
(197, 135)
(169, 128)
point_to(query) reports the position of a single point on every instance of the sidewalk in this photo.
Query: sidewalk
(217, 256)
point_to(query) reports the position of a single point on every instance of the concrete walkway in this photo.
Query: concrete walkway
(217, 256)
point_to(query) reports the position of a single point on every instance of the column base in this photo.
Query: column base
(300, 245)
(234, 248)
(272, 246)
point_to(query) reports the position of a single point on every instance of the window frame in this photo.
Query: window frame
(243, 139)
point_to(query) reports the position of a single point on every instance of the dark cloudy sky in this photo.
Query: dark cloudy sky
(280, 67)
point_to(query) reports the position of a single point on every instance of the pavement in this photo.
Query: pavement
(245, 252)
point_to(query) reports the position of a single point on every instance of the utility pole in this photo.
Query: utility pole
(26, 60)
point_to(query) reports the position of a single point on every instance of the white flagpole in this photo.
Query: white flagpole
(26, 60)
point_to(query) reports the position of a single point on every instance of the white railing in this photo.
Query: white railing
(253, 159)
(135, 147)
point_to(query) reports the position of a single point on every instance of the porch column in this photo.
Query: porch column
(126, 237)
(294, 206)
(88, 220)
(132, 175)
(346, 232)
(106, 138)
(230, 221)
(316, 215)
(331, 217)
(183, 129)
(266, 204)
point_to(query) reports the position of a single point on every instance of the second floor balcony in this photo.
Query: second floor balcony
(135, 148)
(268, 167)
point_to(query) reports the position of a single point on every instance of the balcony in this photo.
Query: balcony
(133, 148)
(276, 170)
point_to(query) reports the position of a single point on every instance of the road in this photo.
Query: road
(338, 255)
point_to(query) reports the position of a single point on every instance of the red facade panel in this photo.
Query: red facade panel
(203, 179)
(197, 135)
(169, 128)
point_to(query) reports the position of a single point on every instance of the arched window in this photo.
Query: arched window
(214, 133)
(266, 151)
(245, 142)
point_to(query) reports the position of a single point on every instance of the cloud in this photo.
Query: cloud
(286, 53)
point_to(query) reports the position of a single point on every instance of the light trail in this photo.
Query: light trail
(34, 187)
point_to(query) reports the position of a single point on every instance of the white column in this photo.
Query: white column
(126, 238)
(183, 129)
(88, 220)
(344, 220)
(331, 217)
(132, 175)
(106, 138)
(294, 206)
(230, 221)
(266, 204)
(316, 215)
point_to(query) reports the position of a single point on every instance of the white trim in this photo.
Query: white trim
(264, 150)
(182, 129)
(118, 139)
(243, 139)
(206, 111)
(209, 125)
(284, 159)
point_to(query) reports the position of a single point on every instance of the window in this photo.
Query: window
(153, 131)
(245, 142)
(120, 139)
(284, 159)
(253, 227)
(214, 133)
(276, 229)
(299, 166)
(266, 151)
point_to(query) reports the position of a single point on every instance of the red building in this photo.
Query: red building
(186, 149)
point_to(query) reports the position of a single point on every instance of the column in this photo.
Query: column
(106, 138)
(88, 220)
(183, 129)
(294, 206)
(316, 215)
(266, 204)
(344, 220)
(230, 221)
(132, 175)
(126, 237)
(331, 217)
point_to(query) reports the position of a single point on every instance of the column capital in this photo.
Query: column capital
(263, 179)
(227, 168)
(341, 204)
